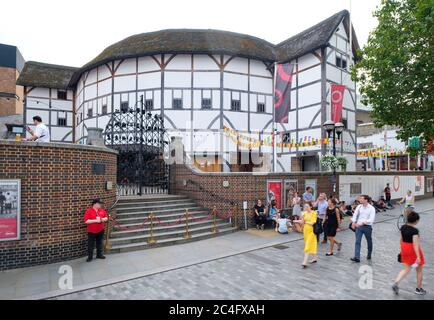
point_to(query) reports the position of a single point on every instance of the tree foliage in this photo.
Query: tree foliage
(396, 70)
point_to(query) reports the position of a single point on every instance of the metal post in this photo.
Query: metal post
(214, 229)
(186, 234)
(334, 154)
(151, 240)
(108, 245)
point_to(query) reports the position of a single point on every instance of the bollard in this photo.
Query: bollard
(151, 240)
(186, 234)
(214, 229)
(108, 245)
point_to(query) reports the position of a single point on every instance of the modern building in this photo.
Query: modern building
(203, 81)
(11, 95)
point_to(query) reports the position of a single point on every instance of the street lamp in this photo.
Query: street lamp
(337, 129)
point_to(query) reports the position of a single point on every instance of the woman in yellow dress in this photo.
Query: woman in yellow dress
(310, 239)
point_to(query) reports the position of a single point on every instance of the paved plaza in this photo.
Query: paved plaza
(244, 265)
(276, 273)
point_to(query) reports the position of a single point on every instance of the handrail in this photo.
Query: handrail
(212, 194)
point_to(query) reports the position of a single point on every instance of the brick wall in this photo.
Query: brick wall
(57, 184)
(207, 188)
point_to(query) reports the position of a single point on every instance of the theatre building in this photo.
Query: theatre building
(200, 82)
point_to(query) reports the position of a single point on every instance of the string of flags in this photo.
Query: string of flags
(249, 142)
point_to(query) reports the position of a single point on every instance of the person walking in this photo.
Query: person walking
(332, 223)
(309, 218)
(260, 218)
(94, 218)
(296, 208)
(362, 222)
(321, 205)
(411, 253)
(41, 132)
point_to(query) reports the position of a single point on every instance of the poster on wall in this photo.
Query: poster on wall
(274, 192)
(289, 188)
(10, 200)
(311, 183)
(429, 184)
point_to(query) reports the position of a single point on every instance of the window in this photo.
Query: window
(90, 112)
(341, 62)
(61, 122)
(149, 104)
(206, 103)
(177, 103)
(104, 109)
(61, 95)
(124, 107)
(261, 107)
(235, 105)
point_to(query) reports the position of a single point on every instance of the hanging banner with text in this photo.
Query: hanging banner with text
(337, 97)
(10, 192)
(282, 92)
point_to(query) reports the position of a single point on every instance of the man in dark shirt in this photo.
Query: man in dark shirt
(388, 195)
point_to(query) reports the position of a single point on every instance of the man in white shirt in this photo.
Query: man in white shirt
(41, 132)
(362, 221)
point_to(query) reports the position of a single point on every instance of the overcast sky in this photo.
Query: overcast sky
(74, 32)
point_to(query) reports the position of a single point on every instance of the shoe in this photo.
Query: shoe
(262, 227)
(329, 254)
(368, 257)
(88, 259)
(304, 266)
(395, 289)
(324, 242)
(357, 260)
(420, 291)
(339, 246)
(100, 257)
(313, 261)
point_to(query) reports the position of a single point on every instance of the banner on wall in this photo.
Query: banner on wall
(274, 192)
(337, 97)
(10, 215)
(282, 92)
(311, 183)
(289, 188)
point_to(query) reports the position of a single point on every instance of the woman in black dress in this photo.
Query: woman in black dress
(333, 221)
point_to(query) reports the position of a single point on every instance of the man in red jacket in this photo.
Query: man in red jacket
(94, 218)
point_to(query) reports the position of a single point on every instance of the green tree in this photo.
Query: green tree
(396, 70)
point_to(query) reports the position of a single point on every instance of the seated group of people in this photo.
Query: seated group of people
(279, 220)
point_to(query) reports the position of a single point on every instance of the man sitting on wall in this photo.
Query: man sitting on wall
(94, 218)
(41, 132)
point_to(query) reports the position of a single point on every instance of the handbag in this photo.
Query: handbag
(317, 227)
(399, 257)
(357, 219)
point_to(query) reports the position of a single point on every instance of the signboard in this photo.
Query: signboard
(429, 184)
(351, 186)
(289, 188)
(274, 192)
(10, 209)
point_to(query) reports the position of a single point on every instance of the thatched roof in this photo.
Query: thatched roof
(190, 41)
(37, 74)
(313, 38)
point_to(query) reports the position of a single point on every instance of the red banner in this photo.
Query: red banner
(274, 192)
(337, 97)
(8, 228)
(282, 92)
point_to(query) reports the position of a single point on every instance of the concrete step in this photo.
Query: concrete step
(117, 248)
(163, 218)
(156, 207)
(145, 230)
(150, 198)
(162, 202)
(165, 235)
(159, 213)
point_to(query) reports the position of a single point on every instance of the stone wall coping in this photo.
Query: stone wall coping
(197, 172)
(62, 145)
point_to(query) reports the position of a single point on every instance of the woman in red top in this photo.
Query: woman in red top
(411, 253)
(94, 218)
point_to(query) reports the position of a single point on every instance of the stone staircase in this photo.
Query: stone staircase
(132, 228)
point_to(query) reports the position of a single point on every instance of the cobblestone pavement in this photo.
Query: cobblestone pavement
(276, 273)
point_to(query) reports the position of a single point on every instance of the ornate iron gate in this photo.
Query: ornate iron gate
(141, 140)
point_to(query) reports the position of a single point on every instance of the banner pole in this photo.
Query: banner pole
(274, 117)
